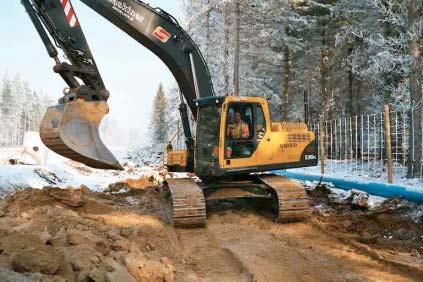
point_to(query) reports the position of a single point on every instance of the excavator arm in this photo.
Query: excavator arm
(59, 19)
(84, 101)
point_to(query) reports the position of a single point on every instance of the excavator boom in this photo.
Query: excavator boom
(71, 128)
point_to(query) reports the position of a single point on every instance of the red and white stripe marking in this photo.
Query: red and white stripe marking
(70, 13)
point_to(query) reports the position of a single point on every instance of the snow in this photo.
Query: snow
(139, 162)
(63, 173)
(9, 153)
(143, 156)
(417, 215)
(25, 176)
(353, 196)
(349, 172)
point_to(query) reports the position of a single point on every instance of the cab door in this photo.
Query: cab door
(263, 153)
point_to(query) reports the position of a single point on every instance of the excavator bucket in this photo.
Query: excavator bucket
(71, 130)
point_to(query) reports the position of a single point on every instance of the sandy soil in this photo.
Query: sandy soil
(78, 235)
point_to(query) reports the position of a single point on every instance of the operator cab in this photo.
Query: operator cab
(229, 129)
(245, 128)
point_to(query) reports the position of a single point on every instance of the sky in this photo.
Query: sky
(131, 73)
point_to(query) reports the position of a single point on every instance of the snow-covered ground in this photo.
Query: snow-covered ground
(63, 173)
(139, 162)
(367, 173)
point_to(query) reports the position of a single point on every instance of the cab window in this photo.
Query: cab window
(245, 127)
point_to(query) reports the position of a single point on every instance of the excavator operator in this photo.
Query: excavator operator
(238, 129)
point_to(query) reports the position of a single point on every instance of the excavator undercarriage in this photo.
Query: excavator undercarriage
(277, 197)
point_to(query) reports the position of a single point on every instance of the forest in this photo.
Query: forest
(21, 109)
(331, 58)
(349, 56)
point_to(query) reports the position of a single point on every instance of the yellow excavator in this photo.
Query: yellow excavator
(235, 143)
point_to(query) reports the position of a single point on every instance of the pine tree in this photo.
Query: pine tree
(7, 97)
(159, 126)
(21, 110)
(2, 136)
(8, 119)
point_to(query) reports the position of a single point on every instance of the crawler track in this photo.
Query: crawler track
(292, 202)
(187, 203)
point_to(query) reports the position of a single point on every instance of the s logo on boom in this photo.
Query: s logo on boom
(162, 34)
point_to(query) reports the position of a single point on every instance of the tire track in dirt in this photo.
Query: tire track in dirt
(293, 252)
(127, 235)
(205, 260)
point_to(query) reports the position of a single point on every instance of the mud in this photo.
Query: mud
(123, 235)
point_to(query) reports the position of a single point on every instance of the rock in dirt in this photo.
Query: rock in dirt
(18, 242)
(122, 245)
(46, 237)
(82, 257)
(11, 276)
(93, 207)
(359, 199)
(140, 183)
(94, 274)
(78, 237)
(69, 197)
(144, 269)
(116, 187)
(119, 272)
(367, 239)
(60, 239)
(43, 260)
(66, 271)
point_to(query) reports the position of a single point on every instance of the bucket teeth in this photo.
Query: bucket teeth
(72, 131)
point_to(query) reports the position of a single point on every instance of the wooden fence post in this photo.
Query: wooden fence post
(322, 144)
(388, 148)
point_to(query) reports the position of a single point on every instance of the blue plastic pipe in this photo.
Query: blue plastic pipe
(374, 188)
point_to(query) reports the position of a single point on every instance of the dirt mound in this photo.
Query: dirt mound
(78, 235)
(122, 235)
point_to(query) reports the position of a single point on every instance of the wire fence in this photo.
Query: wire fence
(356, 144)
